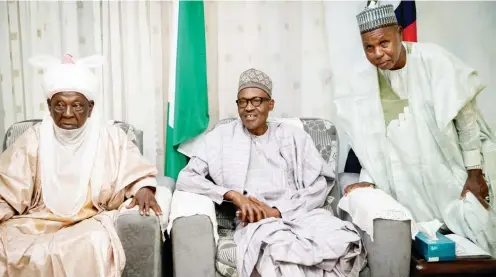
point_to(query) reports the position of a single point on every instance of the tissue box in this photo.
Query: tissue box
(442, 249)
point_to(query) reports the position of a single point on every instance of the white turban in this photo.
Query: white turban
(71, 159)
(69, 74)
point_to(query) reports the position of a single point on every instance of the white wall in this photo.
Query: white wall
(468, 30)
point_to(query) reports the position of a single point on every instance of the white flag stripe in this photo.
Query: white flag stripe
(173, 58)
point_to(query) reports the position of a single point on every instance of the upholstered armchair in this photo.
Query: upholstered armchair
(141, 236)
(196, 254)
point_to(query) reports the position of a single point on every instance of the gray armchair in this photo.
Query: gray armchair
(195, 253)
(141, 236)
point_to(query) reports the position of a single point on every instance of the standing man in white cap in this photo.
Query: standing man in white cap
(414, 125)
(63, 180)
(275, 177)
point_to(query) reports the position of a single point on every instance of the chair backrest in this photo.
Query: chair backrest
(17, 129)
(325, 137)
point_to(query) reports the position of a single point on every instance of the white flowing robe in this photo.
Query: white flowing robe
(288, 174)
(417, 158)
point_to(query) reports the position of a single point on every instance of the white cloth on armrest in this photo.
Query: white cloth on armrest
(163, 195)
(186, 204)
(366, 204)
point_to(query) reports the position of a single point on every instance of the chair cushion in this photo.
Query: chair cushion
(324, 135)
(225, 261)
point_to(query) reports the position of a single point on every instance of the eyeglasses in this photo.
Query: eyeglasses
(255, 101)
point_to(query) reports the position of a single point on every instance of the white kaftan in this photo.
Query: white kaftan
(283, 169)
(421, 157)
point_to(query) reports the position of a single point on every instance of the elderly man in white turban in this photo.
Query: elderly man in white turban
(63, 180)
(415, 127)
(275, 177)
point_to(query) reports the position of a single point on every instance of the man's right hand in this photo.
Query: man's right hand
(250, 212)
(349, 188)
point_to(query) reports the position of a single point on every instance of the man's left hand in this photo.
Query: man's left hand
(145, 198)
(271, 212)
(477, 186)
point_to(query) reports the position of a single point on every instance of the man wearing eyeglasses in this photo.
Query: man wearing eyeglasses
(275, 177)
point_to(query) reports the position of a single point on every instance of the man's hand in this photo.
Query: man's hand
(249, 211)
(349, 188)
(477, 186)
(270, 212)
(145, 198)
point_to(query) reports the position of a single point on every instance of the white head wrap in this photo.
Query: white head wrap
(67, 157)
(69, 75)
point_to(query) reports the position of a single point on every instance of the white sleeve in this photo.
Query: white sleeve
(469, 136)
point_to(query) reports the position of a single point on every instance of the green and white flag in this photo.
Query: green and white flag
(187, 110)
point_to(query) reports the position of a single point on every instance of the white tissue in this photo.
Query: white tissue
(429, 228)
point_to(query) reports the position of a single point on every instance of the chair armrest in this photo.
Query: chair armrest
(193, 247)
(193, 231)
(390, 252)
(185, 204)
(141, 238)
